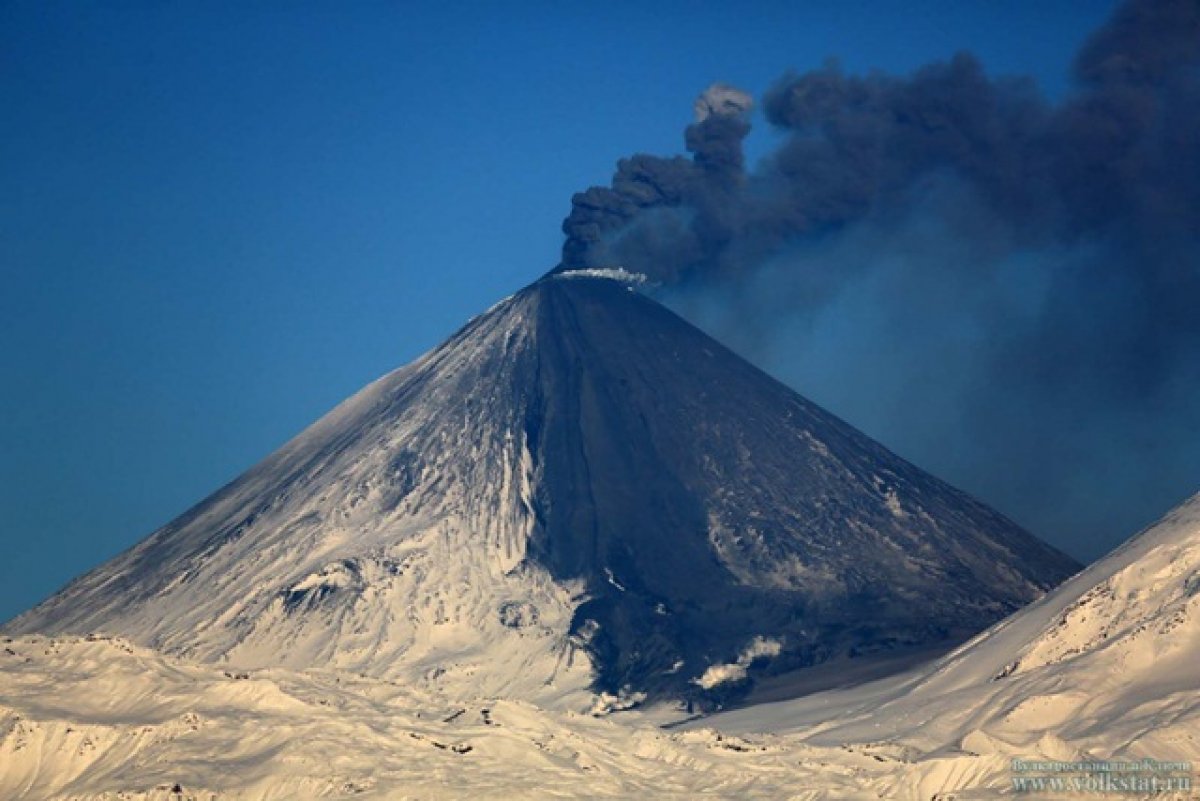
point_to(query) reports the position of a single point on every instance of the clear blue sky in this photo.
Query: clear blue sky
(217, 222)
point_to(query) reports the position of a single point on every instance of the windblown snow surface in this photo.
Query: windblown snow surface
(1104, 667)
(578, 492)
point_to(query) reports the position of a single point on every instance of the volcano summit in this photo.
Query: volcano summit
(577, 492)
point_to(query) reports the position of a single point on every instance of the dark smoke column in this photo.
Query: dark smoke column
(654, 217)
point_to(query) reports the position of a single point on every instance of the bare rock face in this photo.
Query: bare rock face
(577, 492)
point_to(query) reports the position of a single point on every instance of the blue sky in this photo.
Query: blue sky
(217, 222)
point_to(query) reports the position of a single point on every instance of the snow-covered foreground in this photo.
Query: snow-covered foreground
(104, 719)
(1105, 667)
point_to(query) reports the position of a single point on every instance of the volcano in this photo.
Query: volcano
(577, 493)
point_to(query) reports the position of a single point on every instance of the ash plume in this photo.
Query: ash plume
(1004, 288)
(654, 203)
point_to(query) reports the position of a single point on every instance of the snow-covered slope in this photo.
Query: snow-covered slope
(577, 490)
(1107, 666)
